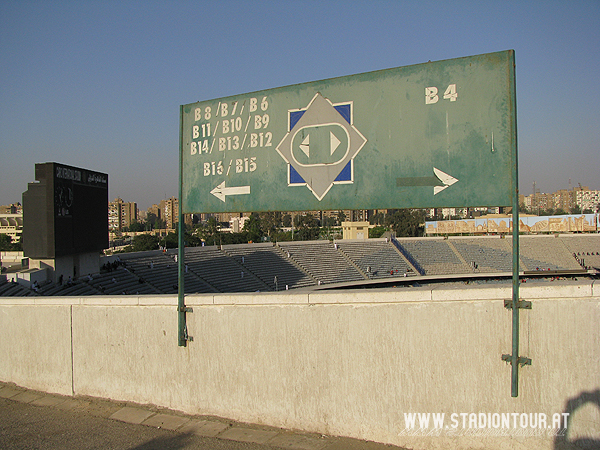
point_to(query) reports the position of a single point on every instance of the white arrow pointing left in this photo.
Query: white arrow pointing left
(221, 191)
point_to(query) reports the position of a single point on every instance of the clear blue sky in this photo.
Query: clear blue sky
(98, 84)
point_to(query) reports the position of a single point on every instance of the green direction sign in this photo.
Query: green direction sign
(439, 134)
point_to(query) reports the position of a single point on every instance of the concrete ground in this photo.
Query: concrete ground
(31, 419)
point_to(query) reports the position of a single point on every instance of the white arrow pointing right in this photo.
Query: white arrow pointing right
(334, 142)
(448, 180)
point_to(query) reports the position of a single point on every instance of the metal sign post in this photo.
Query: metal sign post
(182, 334)
(439, 134)
(515, 304)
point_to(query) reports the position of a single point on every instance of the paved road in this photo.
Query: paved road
(35, 420)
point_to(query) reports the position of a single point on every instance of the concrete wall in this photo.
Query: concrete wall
(35, 344)
(28, 277)
(8, 259)
(73, 266)
(76, 265)
(347, 363)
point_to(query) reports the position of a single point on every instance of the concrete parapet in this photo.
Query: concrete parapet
(35, 346)
(354, 363)
(271, 298)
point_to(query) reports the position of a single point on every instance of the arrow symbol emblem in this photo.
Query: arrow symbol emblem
(440, 181)
(305, 146)
(334, 142)
(221, 191)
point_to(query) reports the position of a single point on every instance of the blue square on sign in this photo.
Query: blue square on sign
(345, 110)
(346, 173)
(295, 117)
(295, 177)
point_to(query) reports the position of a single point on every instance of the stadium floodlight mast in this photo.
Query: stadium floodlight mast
(432, 135)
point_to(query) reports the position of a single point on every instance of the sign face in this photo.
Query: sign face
(439, 134)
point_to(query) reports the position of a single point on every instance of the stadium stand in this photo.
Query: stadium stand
(585, 249)
(10, 289)
(378, 258)
(253, 267)
(267, 262)
(485, 254)
(434, 256)
(160, 272)
(223, 272)
(322, 261)
(77, 287)
(119, 281)
(545, 253)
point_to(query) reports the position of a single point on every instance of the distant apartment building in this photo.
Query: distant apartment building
(11, 221)
(15, 208)
(224, 217)
(588, 199)
(455, 212)
(540, 201)
(154, 210)
(121, 214)
(169, 210)
(348, 215)
(12, 225)
(564, 199)
(358, 215)
(525, 200)
(236, 224)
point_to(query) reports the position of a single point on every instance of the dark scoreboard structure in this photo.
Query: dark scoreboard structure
(65, 212)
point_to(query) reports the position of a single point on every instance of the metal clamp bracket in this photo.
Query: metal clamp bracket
(186, 309)
(523, 304)
(521, 360)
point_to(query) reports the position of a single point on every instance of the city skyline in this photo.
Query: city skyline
(98, 85)
(155, 204)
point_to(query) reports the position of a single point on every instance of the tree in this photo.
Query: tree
(160, 224)
(252, 228)
(213, 226)
(209, 232)
(287, 220)
(5, 242)
(270, 223)
(376, 232)
(406, 222)
(329, 221)
(136, 226)
(192, 239)
(171, 240)
(151, 219)
(307, 228)
(546, 212)
(144, 242)
(559, 212)
(377, 219)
